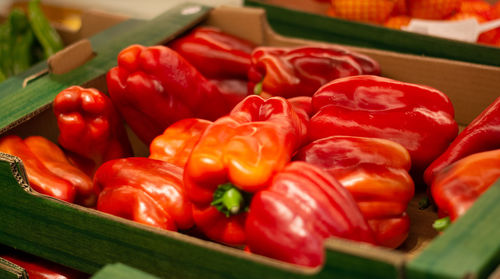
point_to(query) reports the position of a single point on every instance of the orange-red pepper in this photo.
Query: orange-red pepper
(178, 140)
(458, 186)
(246, 148)
(375, 171)
(145, 190)
(49, 170)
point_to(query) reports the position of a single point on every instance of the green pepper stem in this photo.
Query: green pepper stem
(441, 224)
(257, 88)
(228, 199)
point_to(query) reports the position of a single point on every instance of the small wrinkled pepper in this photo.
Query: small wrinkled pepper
(176, 143)
(49, 171)
(482, 134)
(290, 219)
(456, 187)
(154, 87)
(375, 172)
(372, 106)
(144, 190)
(216, 54)
(89, 126)
(300, 71)
(245, 148)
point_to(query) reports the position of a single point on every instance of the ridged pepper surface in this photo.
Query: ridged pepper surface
(144, 190)
(90, 127)
(456, 187)
(222, 58)
(154, 87)
(178, 140)
(49, 170)
(420, 118)
(375, 172)
(300, 71)
(482, 134)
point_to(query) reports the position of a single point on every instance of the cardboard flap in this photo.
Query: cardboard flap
(94, 21)
(247, 23)
(70, 57)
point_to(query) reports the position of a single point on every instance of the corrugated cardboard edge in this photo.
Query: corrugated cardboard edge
(13, 268)
(71, 57)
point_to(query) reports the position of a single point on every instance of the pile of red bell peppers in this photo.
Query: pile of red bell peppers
(273, 149)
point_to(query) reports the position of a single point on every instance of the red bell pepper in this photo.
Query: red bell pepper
(39, 170)
(375, 172)
(176, 143)
(246, 148)
(300, 71)
(89, 125)
(54, 159)
(303, 107)
(145, 190)
(303, 205)
(153, 87)
(482, 134)
(216, 54)
(372, 106)
(456, 187)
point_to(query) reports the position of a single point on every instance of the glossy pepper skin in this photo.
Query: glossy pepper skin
(89, 126)
(375, 172)
(246, 148)
(456, 187)
(41, 178)
(482, 134)
(144, 190)
(154, 87)
(176, 143)
(290, 219)
(54, 159)
(372, 106)
(300, 71)
(216, 54)
(222, 58)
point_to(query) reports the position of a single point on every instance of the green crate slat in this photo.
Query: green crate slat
(295, 23)
(471, 246)
(121, 271)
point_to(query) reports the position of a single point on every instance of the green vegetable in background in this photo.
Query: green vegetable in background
(46, 35)
(21, 40)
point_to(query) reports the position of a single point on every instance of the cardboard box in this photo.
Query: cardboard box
(306, 19)
(86, 239)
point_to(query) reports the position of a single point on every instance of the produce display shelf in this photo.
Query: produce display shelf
(87, 240)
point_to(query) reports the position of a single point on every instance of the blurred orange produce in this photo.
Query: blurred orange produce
(374, 11)
(432, 9)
